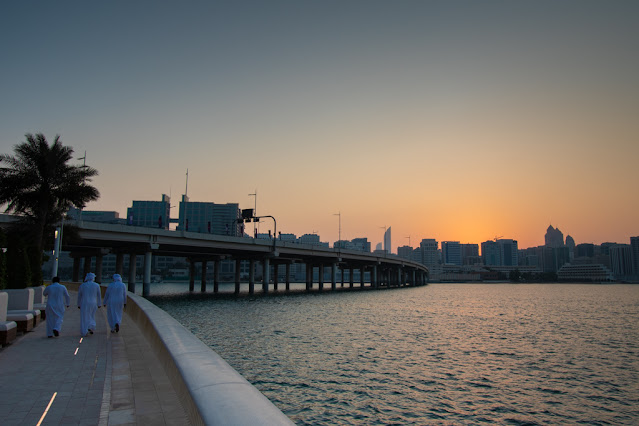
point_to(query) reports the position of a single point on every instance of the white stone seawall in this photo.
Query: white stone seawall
(210, 390)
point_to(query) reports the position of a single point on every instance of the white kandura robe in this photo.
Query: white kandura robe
(57, 300)
(115, 299)
(89, 298)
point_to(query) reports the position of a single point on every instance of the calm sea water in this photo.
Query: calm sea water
(440, 354)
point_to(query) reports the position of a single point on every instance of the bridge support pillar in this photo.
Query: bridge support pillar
(252, 276)
(119, 263)
(374, 282)
(362, 275)
(266, 274)
(146, 282)
(203, 279)
(238, 267)
(276, 280)
(132, 267)
(320, 276)
(288, 276)
(86, 266)
(309, 276)
(76, 270)
(216, 275)
(191, 275)
(351, 276)
(341, 273)
(334, 276)
(98, 267)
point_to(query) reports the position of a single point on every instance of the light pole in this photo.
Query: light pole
(339, 229)
(57, 246)
(84, 165)
(254, 211)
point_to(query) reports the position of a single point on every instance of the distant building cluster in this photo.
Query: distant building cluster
(499, 259)
(502, 259)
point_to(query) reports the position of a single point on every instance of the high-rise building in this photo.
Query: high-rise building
(554, 237)
(451, 253)
(634, 243)
(210, 218)
(570, 243)
(621, 260)
(508, 252)
(502, 252)
(490, 253)
(387, 240)
(405, 252)
(551, 259)
(470, 254)
(361, 244)
(585, 250)
(150, 214)
(429, 254)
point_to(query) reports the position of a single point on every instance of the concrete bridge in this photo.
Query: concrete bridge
(98, 239)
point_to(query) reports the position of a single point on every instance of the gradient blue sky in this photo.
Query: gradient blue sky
(454, 120)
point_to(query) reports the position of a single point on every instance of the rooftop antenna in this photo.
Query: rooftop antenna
(186, 190)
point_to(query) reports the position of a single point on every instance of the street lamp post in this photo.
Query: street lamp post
(57, 246)
(339, 229)
(254, 211)
(84, 165)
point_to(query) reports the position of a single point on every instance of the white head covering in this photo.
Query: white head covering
(90, 277)
(117, 277)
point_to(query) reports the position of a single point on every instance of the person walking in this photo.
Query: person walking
(57, 300)
(89, 301)
(115, 301)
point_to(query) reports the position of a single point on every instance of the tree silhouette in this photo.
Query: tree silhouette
(39, 187)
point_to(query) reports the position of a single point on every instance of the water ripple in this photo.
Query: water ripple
(441, 354)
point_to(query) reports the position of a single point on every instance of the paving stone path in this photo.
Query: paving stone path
(102, 379)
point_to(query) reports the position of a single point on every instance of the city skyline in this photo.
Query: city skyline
(458, 121)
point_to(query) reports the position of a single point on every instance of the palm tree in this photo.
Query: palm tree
(39, 186)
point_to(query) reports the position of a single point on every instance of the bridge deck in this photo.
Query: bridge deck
(113, 379)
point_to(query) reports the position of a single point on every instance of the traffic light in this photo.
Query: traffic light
(247, 214)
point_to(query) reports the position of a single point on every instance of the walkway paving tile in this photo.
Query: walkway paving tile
(102, 379)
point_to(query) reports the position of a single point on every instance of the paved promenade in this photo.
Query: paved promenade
(102, 379)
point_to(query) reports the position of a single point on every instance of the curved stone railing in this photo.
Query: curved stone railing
(210, 390)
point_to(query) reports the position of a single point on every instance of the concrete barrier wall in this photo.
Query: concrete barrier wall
(210, 390)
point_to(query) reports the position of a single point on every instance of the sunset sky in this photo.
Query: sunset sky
(455, 120)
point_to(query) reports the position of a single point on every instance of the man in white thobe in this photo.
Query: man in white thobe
(89, 301)
(57, 300)
(115, 301)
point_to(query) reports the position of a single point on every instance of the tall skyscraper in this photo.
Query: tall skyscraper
(387, 241)
(570, 243)
(554, 237)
